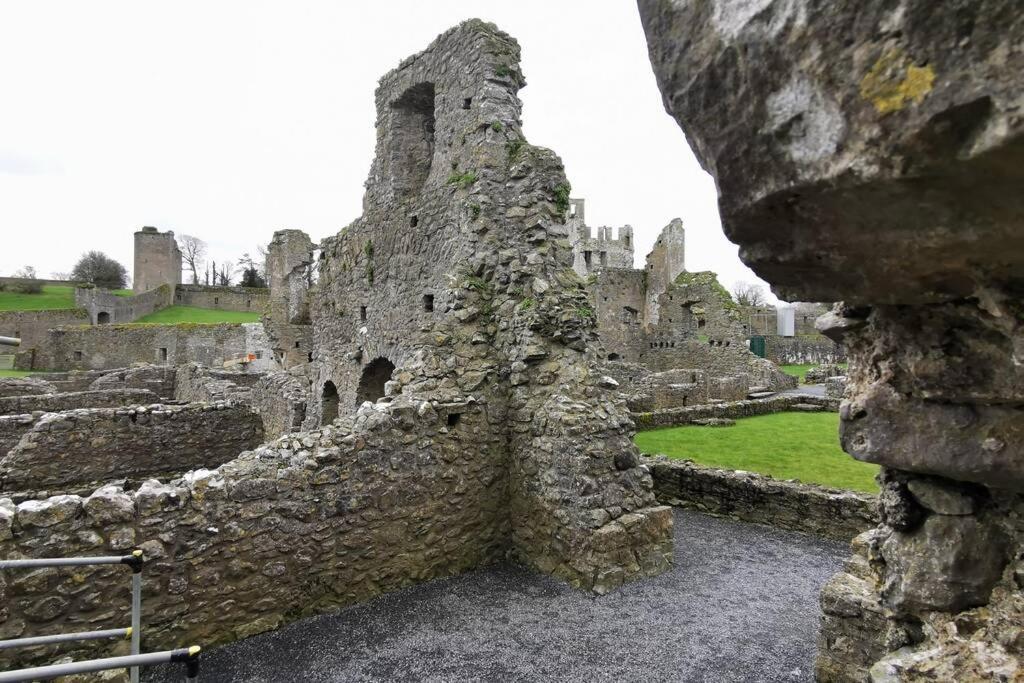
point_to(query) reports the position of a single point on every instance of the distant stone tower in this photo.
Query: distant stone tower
(590, 253)
(664, 264)
(157, 260)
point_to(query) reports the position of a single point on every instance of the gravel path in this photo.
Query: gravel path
(740, 604)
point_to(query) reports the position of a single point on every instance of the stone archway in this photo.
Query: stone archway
(328, 403)
(375, 375)
(102, 318)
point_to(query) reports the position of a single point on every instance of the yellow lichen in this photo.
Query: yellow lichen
(894, 81)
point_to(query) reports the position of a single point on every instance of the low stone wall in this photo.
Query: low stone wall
(750, 497)
(280, 400)
(102, 398)
(302, 526)
(116, 346)
(803, 349)
(32, 326)
(159, 379)
(106, 307)
(242, 299)
(78, 449)
(12, 428)
(197, 383)
(675, 417)
(25, 386)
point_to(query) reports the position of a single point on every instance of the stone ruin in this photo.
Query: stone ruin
(873, 156)
(458, 416)
(661, 323)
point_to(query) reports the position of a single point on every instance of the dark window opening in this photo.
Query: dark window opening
(329, 403)
(103, 318)
(248, 303)
(701, 322)
(453, 419)
(467, 103)
(177, 297)
(362, 313)
(162, 353)
(375, 375)
(428, 302)
(298, 345)
(626, 240)
(414, 221)
(216, 301)
(587, 258)
(613, 356)
(604, 258)
(78, 355)
(412, 138)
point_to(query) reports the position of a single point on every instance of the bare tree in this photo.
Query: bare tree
(749, 294)
(192, 251)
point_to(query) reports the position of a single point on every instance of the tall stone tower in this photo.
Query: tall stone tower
(664, 264)
(157, 260)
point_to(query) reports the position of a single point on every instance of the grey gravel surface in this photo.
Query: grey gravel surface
(806, 390)
(740, 604)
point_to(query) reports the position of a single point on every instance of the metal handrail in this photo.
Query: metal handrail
(132, 661)
(188, 656)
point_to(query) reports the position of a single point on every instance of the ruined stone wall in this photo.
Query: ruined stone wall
(157, 260)
(665, 262)
(815, 349)
(751, 497)
(77, 450)
(25, 386)
(12, 428)
(241, 299)
(31, 326)
(308, 524)
(114, 346)
(159, 379)
(289, 269)
(873, 156)
(595, 249)
(100, 398)
(280, 400)
(194, 382)
(675, 417)
(457, 283)
(105, 307)
(619, 304)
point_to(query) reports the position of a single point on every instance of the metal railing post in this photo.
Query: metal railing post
(136, 566)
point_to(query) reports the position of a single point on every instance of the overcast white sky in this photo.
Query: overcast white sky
(229, 120)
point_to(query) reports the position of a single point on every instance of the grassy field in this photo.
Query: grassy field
(52, 297)
(800, 371)
(803, 446)
(190, 314)
(14, 373)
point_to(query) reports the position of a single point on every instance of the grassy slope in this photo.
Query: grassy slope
(16, 373)
(189, 314)
(52, 297)
(802, 446)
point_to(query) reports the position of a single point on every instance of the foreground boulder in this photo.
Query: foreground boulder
(872, 153)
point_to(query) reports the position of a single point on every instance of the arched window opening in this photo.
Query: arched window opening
(329, 403)
(613, 356)
(103, 318)
(371, 384)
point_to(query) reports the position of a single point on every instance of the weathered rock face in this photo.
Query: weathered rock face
(879, 140)
(869, 152)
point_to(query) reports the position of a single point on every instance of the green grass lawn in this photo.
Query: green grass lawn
(803, 446)
(190, 314)
(800, 371)
(52, 297)
(15, 373)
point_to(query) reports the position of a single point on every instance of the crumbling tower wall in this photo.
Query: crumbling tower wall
(874, 155)
(157, 260)
(664, 263)
(289, 269)
(456, 286)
